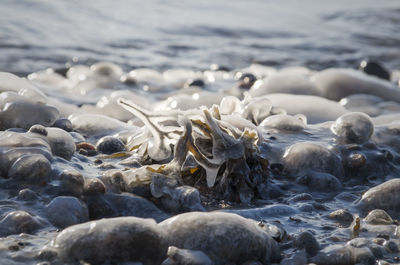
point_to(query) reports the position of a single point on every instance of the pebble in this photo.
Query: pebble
(64, 211)
(217, 234)
(17, 222)
(378, 217)
(374, 69)
(64, 124)
(72, 182)
(178, 256)
(110, 145)
(355, 127)
(117, 240)
(33, 168)
(307, 241)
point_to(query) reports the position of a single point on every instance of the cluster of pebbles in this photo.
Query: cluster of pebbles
(248, 166)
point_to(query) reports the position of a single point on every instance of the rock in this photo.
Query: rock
(342, 216)
(17, 222)
(124, 204)
(64, 124)
(378, 217)
(311, 156)
(320, 181)
(110, 145)
(354, 127)
(375, 69)
(34, 168)
(94, 186)
(27, 195)
(223, 237)
(178, 256)
(114, 240)
(64, 211)
(72, 182)
(336, 84)
(307, 241)
(23, 114)
(384, 196)
(173, 198)
(346, 255)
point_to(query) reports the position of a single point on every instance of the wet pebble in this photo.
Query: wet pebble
(110, 145)
(64, 124)
(354, 127)
(33, 168)
(378, 217)
(17, 222)
(342, 215)
(27, 195)
(72, 182)
(320, 181)
(94, 186)
(217, 234)
(307, 241)
(384, 196)
(64, 211)
(118, 240)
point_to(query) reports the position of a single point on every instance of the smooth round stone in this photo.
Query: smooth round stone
(27, 195)
(311, 156)
(218, 234)
(378, 217)
(385, 196)
(110, 145)
(33, 168)
(72, 182)
(17, 222)
(284, 123)
(342, 216)
(307, 241)
(64, 211)
(195, 82)
(94, 186)
(23, 114)
(375, 69)
(320, 181)
(354, 127)
(345, 255)
(64, 124)
(117, 240)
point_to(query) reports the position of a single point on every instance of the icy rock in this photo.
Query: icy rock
(64, 211)
(378, 217)
(121, 239)
(218, 234)
(284, 83)
(34, 168)
(346, 255)
(336, 84)
(17, 222)
(307, 241)
(384, 196)
(320, 181)
(316, 109)
(23, 114)
(124, 204)
(355, 127)
(72, 182)
(311, 156)
(285, 123)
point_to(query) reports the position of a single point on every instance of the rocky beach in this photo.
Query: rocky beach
(168, 161)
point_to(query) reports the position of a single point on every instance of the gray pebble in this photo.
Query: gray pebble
(118, 240)
(64, 124)
(17, 222)
(307, 241)
(64, 211)
(378, 217)
(34, 168)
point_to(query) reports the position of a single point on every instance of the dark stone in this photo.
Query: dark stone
(110, 145)
(307, 241)
(375, 69)
(64, 124)
(195, 82)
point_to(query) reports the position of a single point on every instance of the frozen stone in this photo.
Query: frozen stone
(64, 211)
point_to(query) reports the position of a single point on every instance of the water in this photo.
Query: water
(35, 35)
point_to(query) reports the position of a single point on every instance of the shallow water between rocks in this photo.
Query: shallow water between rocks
(132, 150)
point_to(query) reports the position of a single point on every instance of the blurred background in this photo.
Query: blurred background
(35, 35)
